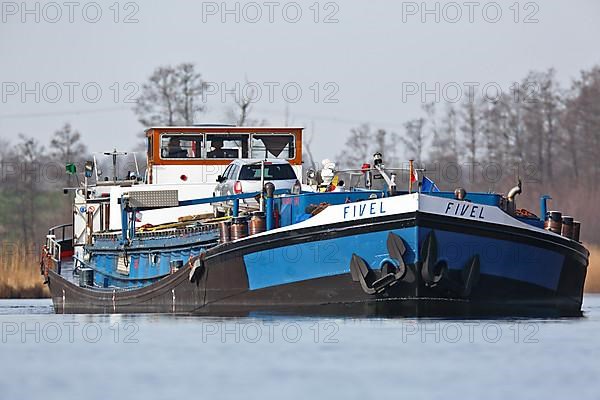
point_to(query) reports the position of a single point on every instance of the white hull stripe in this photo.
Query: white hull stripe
(411, 203)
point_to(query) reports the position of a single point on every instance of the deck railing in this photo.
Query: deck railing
(56, 238)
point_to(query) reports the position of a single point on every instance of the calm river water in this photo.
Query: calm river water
(49, 356)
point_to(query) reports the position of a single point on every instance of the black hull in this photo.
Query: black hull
(332, 296)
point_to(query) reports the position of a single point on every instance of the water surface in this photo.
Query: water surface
(48, 356)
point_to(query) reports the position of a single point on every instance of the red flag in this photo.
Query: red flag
(413, 175)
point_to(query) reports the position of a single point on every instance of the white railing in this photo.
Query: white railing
(53, 248)
(57, 235)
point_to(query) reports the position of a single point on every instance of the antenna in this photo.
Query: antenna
(114, 155)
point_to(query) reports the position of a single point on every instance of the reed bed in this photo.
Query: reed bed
(592, 281)
(20, 275)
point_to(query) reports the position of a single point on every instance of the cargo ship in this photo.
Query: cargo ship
(328, 249)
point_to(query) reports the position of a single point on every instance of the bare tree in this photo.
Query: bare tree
(27, 185)
(358, 149)
(244, 104)
(4, 158)
(307, 147)
(541, 112)
(31, 198)
(4, 147)
(583, 125)
(189, 101)
(66, 145)
(471, 127)
(172, 96)
(387, 144)
(495, 132)
(552, 107)
(414, 140)
(66, 148)
(239, 114)
(513, 108)
(431, 119)
(444, 138)
(450, 134)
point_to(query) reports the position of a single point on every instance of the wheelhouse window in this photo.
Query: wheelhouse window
(181, 146)
(273, 146)
(222, 145)
(227, 146)
(149, 149)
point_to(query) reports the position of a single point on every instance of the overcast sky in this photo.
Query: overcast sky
(352, 61)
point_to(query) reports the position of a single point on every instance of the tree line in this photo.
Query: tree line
(32, 175)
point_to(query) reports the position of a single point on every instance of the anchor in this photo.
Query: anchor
(432, 270)
(435, 272)
(393, 269)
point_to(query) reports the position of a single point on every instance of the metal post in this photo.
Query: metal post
(124, 219)
(236, 207)
(89, 226)
(544, 206)
(270, 189)
(132, 224)
(114, 160)
(390, 181)
(261, 205)
(411, 171)
(393, 184)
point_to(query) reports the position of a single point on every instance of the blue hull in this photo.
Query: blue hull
(503, 258)
(146, 260)
(516, 268)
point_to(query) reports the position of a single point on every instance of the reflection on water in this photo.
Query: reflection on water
(156, 356)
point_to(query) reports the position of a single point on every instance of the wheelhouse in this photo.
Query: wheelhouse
(198, 154)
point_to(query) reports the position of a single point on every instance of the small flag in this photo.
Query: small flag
(333, 184)
(428, 186)
(71, 169)
(413, 175)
